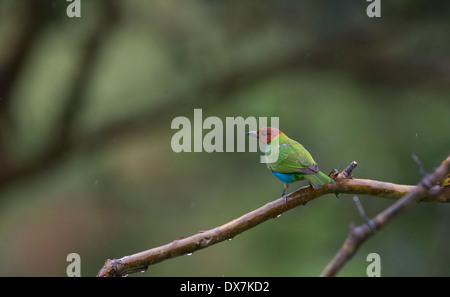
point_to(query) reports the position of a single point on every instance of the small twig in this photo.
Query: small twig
(347, 172)
(420, 164)
(362, 213)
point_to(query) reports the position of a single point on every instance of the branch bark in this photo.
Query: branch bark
(204, 239)
(358, 235)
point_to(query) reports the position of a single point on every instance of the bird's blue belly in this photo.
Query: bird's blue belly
(285, 177)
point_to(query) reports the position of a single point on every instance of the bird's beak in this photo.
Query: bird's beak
(253, 133)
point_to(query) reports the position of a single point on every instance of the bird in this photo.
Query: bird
(294, 162)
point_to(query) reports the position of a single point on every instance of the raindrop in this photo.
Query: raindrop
(417, 134)
(96, 182)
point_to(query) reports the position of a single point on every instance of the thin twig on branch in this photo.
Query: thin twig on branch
(357, 235)
(201, 240)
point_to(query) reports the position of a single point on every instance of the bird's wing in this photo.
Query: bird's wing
(292, 158)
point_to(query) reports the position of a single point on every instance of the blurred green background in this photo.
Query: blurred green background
(86, 106)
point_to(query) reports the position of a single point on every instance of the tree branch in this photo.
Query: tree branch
(201, 240)
(358, 235)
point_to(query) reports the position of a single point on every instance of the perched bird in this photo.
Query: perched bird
(294, 161)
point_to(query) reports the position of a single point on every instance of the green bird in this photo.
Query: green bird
(294, 162)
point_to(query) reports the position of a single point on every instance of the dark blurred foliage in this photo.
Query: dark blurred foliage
(86, 106)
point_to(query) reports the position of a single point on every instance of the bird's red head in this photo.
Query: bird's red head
(267, 134)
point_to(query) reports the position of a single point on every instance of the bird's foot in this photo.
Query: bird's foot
(283, 194)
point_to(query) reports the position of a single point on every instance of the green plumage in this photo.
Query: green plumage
(294, 162)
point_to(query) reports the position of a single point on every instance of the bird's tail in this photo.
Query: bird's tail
(319, 179)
